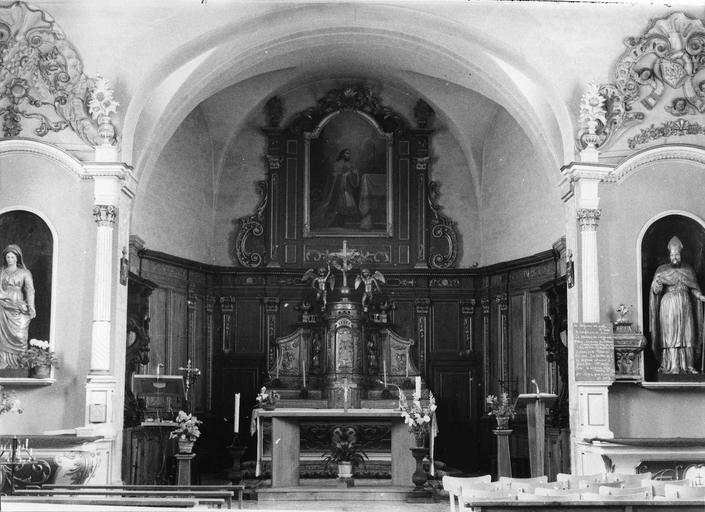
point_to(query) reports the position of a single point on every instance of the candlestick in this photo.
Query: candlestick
(237, 413)
(304, 365)
(407, 363)
(384, 369)
(418, 386)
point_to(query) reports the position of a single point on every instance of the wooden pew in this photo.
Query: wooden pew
(170, 503)
(647, 505)
(215, 497)
(233, 488)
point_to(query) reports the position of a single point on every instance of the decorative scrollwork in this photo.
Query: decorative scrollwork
(252, 226)
(354, 97)
(668, 55)
(442, 228)
(41, 72)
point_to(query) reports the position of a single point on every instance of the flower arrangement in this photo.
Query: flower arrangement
(501, 407)
(417, 417)
(38, 354)
(9, 402)
(267, 398)
(345, 448)
(187, 429)
(101, 100)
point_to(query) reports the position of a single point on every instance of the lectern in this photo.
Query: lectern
(536, 404)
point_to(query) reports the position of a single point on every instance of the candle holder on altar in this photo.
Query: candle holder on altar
(14, 455)
(236, 451)
(303, 393)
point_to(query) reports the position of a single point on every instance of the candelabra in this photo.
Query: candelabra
(13, 455)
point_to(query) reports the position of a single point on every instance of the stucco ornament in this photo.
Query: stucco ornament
(592, 112)
(41, 77)
(666, 62)
(100, 105)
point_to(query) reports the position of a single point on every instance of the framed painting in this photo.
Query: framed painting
(348, 178)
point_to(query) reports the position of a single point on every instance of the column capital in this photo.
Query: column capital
(105, 214)
(110, 179)
(588, 218)
(580, 180)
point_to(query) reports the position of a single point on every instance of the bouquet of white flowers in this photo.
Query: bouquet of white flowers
(416, 416)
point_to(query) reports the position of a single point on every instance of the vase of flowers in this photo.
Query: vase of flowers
(345, 451)
(39, 359)
(187, 432)
(417, 416)
(267, 399)
(502, 408)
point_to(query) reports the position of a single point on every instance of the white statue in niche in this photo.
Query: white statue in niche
(16, 306)
(674, 330)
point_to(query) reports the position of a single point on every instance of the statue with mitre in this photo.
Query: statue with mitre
(676, 313)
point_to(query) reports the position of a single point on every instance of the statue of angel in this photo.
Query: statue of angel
(371, 282)
(321, 279)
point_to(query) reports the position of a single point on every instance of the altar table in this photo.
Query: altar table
(286, 438)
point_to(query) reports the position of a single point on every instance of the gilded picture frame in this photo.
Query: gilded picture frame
(348, 164)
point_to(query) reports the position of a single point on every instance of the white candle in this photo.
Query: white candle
(407, 363)
(277, 364)
(384, 370)
(237, 413)
(418, 386)
(304, 363)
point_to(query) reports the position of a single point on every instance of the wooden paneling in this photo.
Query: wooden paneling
(538, 367)
(404, 318)
(445, 337)
(247, 327)
(517, 340)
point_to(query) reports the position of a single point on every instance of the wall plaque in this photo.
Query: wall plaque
(594, 352)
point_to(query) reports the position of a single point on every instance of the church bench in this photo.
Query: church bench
(647, 505)
(216, 498)
(171, 503)
(231, 488)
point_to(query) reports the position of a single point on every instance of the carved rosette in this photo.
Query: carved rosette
(589, 218)
(105, 215)
(251, 227)
(442, 229)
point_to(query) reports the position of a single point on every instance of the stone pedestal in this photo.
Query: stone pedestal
(420, 494)
(183, 471)
(504, 461)
(235, 473)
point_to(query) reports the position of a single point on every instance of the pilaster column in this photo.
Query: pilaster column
(467, 311)
(588, 219)
(485, 304)
(226, 309)
(210, 344)
(105, 217)
(271, 311)
(502, 302)
(423, 307)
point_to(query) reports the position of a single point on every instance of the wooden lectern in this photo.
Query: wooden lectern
(536, 404)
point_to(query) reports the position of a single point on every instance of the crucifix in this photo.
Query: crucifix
(191, 374)
(346, 261)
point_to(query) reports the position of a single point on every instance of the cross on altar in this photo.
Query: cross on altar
(346, 260)
(191, 374)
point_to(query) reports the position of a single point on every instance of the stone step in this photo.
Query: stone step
(335, 492)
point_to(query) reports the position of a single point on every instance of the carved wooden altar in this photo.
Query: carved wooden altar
(398, 221)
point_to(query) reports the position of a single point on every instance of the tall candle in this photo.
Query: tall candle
(384, 370)
(237, 413)
(418, 386)
(277, 364)
(304, 363)
(407, 363)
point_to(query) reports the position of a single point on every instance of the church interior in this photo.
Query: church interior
(282, 230)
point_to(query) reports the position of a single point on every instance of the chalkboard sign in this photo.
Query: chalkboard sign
(594, 352)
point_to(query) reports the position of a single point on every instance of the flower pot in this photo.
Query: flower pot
(418, 439)
(269, 407)
(185, 446)
(40, 372)
(502, 422)
(345, 469)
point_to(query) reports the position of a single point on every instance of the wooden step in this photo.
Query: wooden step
(334, 490)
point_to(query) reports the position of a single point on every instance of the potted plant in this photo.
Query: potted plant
(502, 408)
(187, 432)
(345, 451)
(267, 399)
(39, 359)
